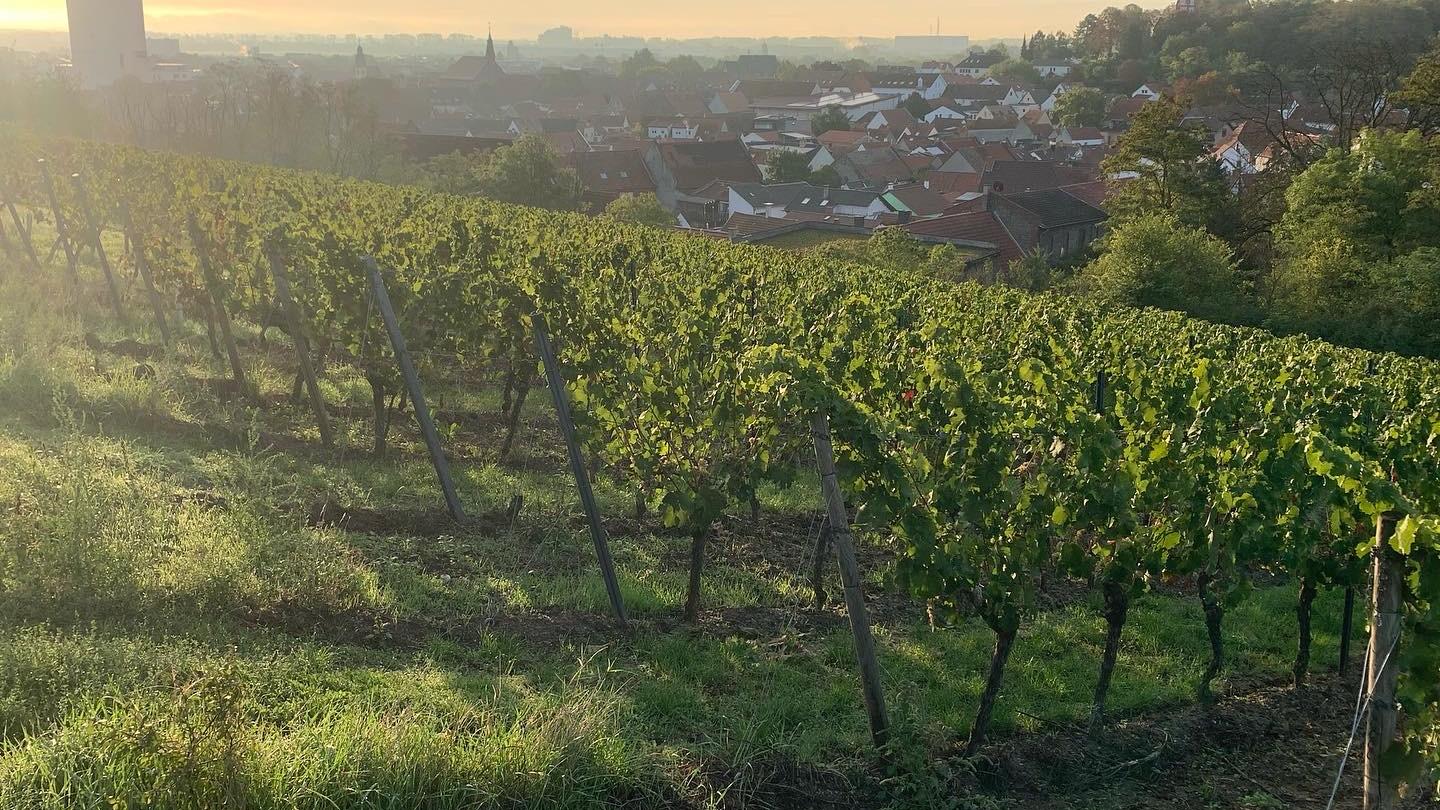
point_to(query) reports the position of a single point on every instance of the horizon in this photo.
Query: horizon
(844, 19)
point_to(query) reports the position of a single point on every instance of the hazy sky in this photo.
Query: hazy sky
(846, 18)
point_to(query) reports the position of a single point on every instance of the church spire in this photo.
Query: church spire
(489, 46)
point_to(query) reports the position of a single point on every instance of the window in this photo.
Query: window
(624, 174)
(604, 176)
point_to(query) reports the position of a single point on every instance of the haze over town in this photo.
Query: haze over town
(649, 18)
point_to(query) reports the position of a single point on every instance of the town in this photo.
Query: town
(996, 151)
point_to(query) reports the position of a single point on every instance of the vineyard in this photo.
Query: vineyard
(991, 449)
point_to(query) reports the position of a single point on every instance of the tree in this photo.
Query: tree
(916, 105)
(638, 64)
(1172, 171)
(640, 209)
(1205, 90)
(1155, 260)
(785, 166)
(826, 176)
(1015, 71)
(1419, 93)
(831, 118)
(454, 173)
(1080, 107)
(528, 172)
(1030, 272)
(1357, 244)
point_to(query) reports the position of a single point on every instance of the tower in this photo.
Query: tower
(490, 71)
(362, 64)
(107, 40)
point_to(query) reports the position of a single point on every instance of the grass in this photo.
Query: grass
(178, 629)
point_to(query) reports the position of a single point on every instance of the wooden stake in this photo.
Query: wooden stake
(850, 576)
(1383, 670)
(142, 266)
(417, 396)
(94, 225)
(24, 237)
(217, 301)
(61, 231)
(561, 395)
(1347, 628)
(302, 348)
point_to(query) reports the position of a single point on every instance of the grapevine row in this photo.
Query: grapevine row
(995, 438)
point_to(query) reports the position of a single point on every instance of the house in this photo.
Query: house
(981, 94)
(936, 68)
(978, 64)
(847, 138)
(757, 66)
(1080, 136)
(918, 200)
(944, 110)
(680, 130)
(1051, 221)
(704, 207)
(802, 109)
(782, 200)
(900, 84)
(679, 168)
(1056, 70)
(726, 101)
(1020, 100)
(475, 70)
(607, 175)
(421, 146)
(1150, 91)
(1251, 148)
(878, 166)
(895, 123)
(774, 88)
(1014, 176)
(1119, 113)
(978, 231)
(993, 130)
(1048, 105)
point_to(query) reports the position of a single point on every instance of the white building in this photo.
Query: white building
(107, 41)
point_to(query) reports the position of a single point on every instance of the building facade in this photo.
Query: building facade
(107, 41)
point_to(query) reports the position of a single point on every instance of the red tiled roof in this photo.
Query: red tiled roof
(978, 226)
(696, 163)
(842, 136)
(612, 173)
(953, 183)
(1093, 192)
(750, 224)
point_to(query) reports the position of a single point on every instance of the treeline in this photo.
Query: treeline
(1120, 47)
(1333, 234)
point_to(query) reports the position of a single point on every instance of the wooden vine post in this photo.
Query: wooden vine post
(93, 225)
(1347, 628)
(142, 266)
(412, 385)
(217, 300)
(62, 232)
(294, 323)
(556, 382)
(24, 235)
(1383, 666)
(844, 543)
